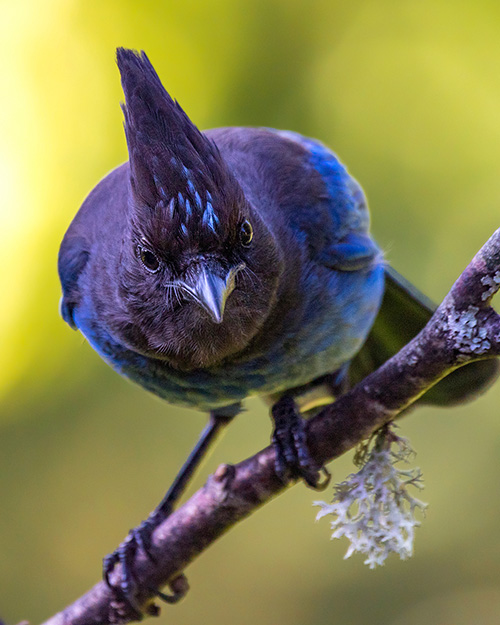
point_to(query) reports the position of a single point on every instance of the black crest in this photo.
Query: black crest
(174, 169)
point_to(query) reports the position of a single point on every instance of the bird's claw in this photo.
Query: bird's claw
(138, 539)
(293, 459)
(179, 587)
(327, 477)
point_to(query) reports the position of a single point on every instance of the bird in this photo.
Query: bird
(215, 266)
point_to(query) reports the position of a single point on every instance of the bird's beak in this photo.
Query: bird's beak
(210, 288)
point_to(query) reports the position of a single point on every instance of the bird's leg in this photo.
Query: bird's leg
(140, 537)
(289, 439)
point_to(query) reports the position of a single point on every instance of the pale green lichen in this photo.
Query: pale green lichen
(492, 283)
(373, 508)
(465, 331)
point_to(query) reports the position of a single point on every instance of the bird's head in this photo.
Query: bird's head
(199, 269)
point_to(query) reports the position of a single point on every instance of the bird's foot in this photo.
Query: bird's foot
(138, 539)
(293, 459)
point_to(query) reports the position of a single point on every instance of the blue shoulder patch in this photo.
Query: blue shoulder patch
(348, 206)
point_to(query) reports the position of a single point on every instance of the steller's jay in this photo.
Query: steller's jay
(235, 262)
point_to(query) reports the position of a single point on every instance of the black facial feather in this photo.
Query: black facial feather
(181, 186)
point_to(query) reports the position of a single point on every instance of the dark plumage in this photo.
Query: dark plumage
(213, 266)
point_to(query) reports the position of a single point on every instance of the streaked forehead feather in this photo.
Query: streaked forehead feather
(174, 168)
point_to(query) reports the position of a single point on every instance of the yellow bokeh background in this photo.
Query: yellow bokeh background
(408, 94)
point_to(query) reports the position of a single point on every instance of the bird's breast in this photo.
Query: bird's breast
(330, 331)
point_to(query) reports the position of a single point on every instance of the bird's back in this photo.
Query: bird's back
(297, 181)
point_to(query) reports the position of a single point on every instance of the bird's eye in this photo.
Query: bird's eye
(246, 233)
(149, 259)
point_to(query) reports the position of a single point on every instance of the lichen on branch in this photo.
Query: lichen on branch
(374, 508)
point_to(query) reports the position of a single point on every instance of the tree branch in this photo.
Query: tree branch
(464, 328)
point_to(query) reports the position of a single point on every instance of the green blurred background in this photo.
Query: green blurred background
(408, 94)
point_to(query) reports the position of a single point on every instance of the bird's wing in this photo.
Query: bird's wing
(355, 251)
(73, 257)
(403, 313)
(100, 219)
